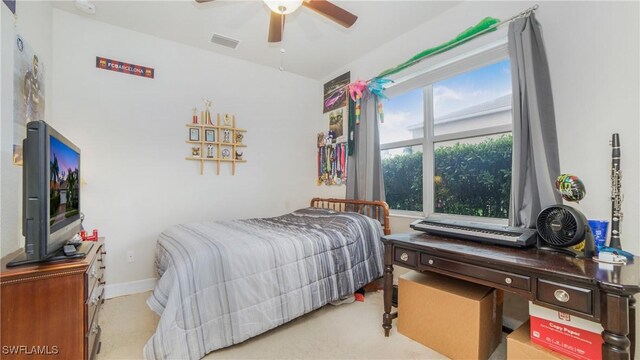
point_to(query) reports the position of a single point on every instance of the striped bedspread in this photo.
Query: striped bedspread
(221, 283)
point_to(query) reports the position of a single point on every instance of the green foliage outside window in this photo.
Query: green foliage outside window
(470, 179)
(403, 181)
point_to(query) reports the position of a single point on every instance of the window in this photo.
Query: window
(401, 143)
(461, 116)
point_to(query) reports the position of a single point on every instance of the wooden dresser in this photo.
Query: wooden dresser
(52, 310)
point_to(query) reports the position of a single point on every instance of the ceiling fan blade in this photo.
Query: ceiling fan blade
(333, 12)
(203, 1)
(276, 26)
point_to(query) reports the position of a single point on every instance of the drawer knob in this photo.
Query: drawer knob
(508, 280)
(561, 295)
(430, 261)
(95, 299)
(404, 256)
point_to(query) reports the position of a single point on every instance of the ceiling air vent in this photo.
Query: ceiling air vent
(225, 41)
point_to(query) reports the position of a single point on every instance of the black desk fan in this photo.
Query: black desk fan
(564, 229)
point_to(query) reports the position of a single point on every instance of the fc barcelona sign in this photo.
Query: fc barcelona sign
(123, 67)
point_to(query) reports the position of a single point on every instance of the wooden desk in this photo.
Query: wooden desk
(595, 292)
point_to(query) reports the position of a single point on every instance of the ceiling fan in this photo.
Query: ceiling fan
(281, 8)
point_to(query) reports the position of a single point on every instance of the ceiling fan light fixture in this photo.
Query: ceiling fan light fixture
(283, 7)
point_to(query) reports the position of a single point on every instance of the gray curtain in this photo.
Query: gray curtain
(535, 143)
(364, 169)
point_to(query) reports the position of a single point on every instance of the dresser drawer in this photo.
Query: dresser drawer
(93, 336)
(500, 278)
(406, 257)
(95, 271)
(566, 296)
(94, 301)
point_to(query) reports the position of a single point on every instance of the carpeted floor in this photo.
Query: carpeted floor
(349, 331)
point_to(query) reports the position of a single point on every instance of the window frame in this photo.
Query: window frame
(469, 61)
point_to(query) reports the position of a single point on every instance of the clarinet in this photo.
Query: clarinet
(616, 197)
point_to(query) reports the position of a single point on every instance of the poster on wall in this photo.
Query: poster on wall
(335, 92)
(336, 119)
(28, 93)
(11, 4)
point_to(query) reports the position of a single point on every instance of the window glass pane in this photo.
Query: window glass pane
(473, 176)
(403, 117)
(473, 100)
(402, 169)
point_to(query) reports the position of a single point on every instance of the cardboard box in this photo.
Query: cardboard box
(520, 346)
(459, 319)
(567, 334)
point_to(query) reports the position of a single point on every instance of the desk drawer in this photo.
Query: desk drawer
(499, 278)
(406, 257)
(566, 296)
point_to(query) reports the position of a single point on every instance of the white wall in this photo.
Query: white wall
(131, 130)
(33, 22)
(593, 54)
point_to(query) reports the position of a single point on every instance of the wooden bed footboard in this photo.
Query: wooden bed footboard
(378, 210)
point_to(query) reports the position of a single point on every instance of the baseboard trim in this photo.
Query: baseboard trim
(128, 288)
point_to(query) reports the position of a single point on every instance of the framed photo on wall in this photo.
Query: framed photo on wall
(194, 134)
(337, 127)
(209, 135)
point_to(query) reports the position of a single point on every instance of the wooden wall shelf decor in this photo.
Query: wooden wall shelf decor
(219, 143)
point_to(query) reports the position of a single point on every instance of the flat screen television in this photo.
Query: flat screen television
(51, 193)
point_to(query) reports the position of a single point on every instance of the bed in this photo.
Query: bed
(223, 282)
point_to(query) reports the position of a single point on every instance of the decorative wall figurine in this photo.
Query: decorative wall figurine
(226, 136)
(209, 151)
(195, 115)
(227, 120)
(239, 137)
(195, 151)
(331, 137)
(207, 113)
(321, 140)
(226, 153)
(238, 155)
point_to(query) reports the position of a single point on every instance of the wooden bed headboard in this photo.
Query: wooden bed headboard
(378, 210)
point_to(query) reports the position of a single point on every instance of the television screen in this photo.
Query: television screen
(64, 183)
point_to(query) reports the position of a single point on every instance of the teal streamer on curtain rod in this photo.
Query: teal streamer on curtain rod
(484, 25)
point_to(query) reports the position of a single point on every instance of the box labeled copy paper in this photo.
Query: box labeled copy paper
(567, 334)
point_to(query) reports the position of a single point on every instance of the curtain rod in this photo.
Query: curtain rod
(491, 28)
